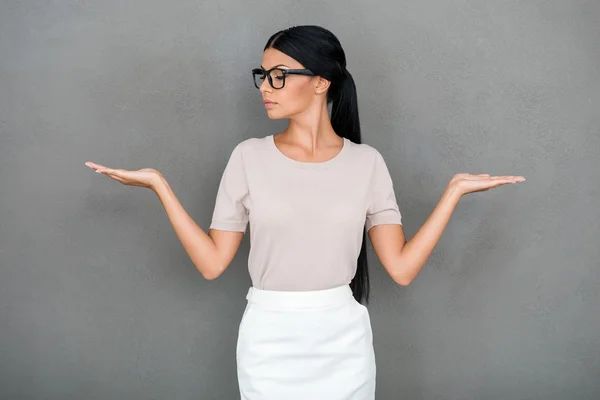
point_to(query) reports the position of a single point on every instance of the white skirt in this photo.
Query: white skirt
(305, 345)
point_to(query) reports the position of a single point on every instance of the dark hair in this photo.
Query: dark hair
(319, 50)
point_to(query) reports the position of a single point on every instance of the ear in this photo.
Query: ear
(322, 85)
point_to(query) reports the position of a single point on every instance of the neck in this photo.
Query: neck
(312, 129)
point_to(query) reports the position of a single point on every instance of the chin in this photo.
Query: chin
(273, 115)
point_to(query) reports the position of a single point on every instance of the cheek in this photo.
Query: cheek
(295, 99)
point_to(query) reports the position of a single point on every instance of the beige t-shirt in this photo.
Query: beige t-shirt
(306, 219)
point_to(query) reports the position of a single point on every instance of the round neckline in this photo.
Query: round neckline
(305, 164)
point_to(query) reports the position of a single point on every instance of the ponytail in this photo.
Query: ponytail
(345, 122)
(319, 50)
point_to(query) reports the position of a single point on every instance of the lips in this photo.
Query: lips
(268, 102)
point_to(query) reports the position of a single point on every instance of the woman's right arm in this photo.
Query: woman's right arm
(211, 253)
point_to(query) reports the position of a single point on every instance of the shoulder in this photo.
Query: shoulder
(252, 143)
(365, 153)
(250, 151)
(249, 146)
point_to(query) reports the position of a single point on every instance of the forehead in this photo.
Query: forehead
(272, 57)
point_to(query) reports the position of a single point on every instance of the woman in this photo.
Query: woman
(311, 194)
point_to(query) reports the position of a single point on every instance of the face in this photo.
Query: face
(299, 93)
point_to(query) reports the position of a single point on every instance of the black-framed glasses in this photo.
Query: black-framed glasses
(276, 76)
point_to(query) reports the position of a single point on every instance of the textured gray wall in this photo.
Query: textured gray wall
(98, 299)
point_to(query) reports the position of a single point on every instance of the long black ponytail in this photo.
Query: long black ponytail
(319, 50)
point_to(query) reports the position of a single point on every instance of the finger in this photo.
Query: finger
(107, 171)
(511, 179)
(116, 172)
(503, 182)
(94, 165)
(477, 177)
(115, 177)
(124, 175)
(98, 168)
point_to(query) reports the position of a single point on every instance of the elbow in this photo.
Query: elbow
(403, 282)
(399, 272)
(402, 272)
(211, 275)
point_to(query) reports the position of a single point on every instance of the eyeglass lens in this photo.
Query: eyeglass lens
(277, 78)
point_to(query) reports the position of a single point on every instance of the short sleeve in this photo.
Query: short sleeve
(382, 208)
(230, 212)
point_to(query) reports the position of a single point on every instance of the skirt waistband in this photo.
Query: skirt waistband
(300, 299)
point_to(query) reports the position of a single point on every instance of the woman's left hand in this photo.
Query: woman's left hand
(469, 183)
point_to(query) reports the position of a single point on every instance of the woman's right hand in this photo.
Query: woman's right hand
(145, 177)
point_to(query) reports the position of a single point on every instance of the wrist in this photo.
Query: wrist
(158, 181)
(453, 191)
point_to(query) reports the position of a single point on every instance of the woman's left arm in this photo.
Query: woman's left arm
(404, 260)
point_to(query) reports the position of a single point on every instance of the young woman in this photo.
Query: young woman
(311, 194)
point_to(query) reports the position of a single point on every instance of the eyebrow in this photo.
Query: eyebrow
(278, 65)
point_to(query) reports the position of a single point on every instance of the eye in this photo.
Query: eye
(277, 74)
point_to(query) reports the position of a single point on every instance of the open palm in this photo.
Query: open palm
(468, 183)
(145, 177)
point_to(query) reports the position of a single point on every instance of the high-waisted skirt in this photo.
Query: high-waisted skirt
(305, 345)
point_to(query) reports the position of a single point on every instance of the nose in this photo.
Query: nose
(265, 85)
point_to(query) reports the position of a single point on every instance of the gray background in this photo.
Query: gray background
(98, 299)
